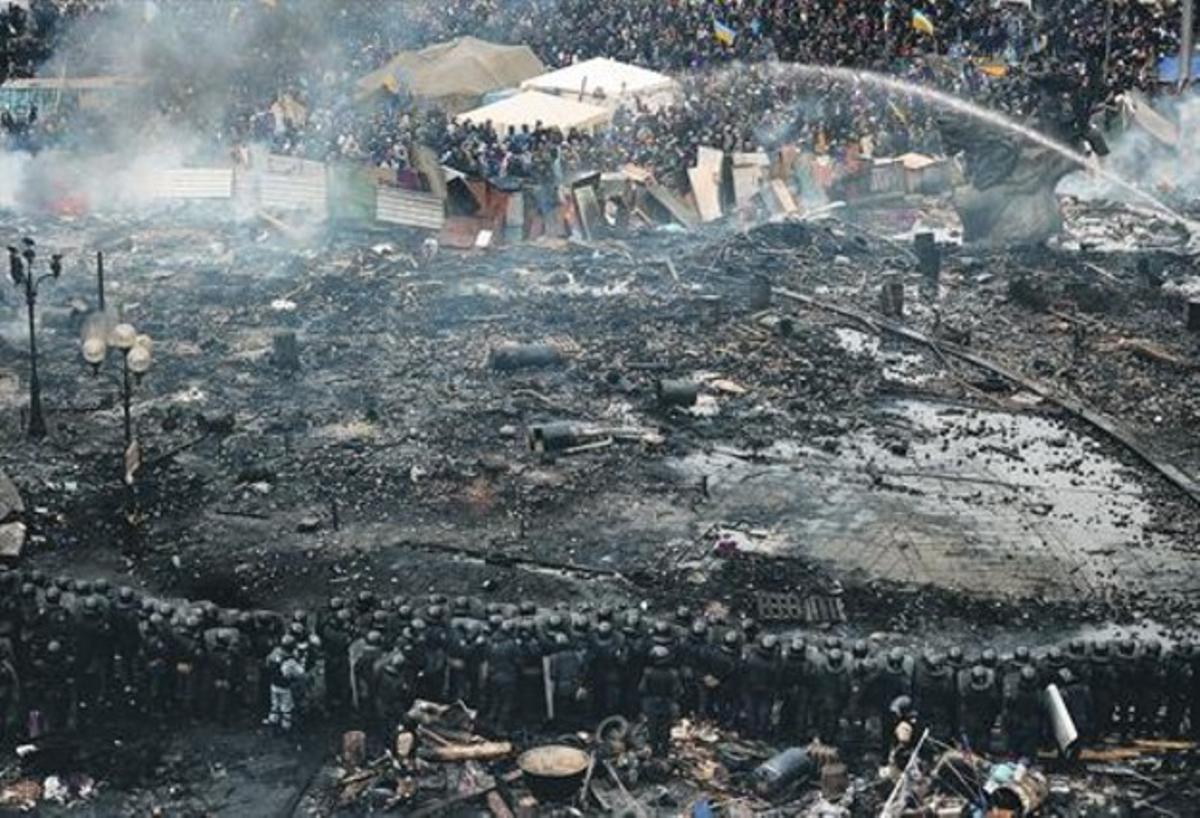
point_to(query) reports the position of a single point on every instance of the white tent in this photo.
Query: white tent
(532, 107)
(602, 81)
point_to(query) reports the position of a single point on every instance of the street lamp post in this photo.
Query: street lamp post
(136, 358)
(21, 269)
(100, 278)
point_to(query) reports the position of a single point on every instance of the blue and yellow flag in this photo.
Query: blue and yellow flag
(723, 33)
(922, 23)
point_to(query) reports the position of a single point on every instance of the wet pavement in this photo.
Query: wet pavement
(969, 499)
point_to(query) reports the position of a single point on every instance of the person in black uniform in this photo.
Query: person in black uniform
(660, 691)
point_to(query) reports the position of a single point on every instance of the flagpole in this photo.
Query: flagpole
(1108, 13)
(1186, 45)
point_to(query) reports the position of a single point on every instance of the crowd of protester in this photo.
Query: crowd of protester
(675, 36)
(756, 106)
(1059, 52)
(1012, 56)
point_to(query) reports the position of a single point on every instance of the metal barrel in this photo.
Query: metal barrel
(782, 769)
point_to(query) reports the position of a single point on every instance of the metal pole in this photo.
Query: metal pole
(1108, 15)
(126, 397)
(1186, 43)
(100, 277)
(37, 424)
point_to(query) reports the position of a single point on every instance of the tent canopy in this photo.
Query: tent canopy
(602, 77)
(531, 107)
(462, 69)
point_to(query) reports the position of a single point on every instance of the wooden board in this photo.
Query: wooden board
(679, 210)
(591, 220)
(709, 159)
(746, 183)
(707, 193)
(783, 197)
(514, 218)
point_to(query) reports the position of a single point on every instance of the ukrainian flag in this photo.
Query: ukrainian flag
(723, 33)
(922, 23)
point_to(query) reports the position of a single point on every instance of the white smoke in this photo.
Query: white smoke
(12, 177)
(197, 63)
(1170, 171)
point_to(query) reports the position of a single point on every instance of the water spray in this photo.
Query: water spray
(985, 115)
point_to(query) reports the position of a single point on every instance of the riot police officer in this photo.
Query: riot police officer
(54, 688)
(568, 680)
(979, 705)
(1180, 682)
(394, 688)
(660, 690)
(1127, 668)
(723, 679)
(1151, 687)
(760, 680)
(895, 680)
(503, 668)
(125, 621)
(832, 694)
(606, 661)
(224, 669)
(336, 638)
(93, 654)
(797, 678)
(635, 655)
(936, 695)
(1102, 679)
(693, 666)
(1022, 717)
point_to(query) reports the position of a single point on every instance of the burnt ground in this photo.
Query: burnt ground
(933, 497)
(396, 420)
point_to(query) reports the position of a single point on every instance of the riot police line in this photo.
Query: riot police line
(72, 651)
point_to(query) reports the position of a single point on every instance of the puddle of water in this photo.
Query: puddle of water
(978, 500)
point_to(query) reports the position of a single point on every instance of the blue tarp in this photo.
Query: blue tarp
(1168, 68)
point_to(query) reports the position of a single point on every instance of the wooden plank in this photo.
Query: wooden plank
(409, 208)
(678, 209)
(496, 805)
(426, 163)
(746, 183)
(783, 196)
(590, 218)
(755, 159)
(709, 159)
(1150, 120)
(514, 218)
(707, 193)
